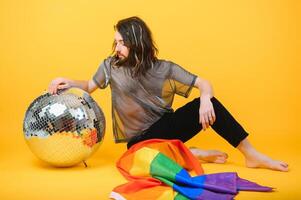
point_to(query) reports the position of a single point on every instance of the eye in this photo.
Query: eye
(120, 42)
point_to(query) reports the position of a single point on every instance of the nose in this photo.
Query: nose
(117, 47)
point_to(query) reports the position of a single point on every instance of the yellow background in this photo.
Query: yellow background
(249, 50)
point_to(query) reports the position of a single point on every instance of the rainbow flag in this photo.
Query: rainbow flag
(159, 169)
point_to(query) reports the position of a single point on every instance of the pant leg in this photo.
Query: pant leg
(186, 122)
(183, 124)
(226, 126)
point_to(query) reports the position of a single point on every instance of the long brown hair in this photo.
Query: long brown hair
(138, 38)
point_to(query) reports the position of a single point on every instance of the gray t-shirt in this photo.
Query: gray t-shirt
(138, 103)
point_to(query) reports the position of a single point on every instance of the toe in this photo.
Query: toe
(284, 164)
(226, 155)
(220, 160)
(282, 168)
(219, 153)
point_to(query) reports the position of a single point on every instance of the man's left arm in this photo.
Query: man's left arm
(207, 114)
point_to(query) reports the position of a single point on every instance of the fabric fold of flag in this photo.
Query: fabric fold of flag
(165, 169)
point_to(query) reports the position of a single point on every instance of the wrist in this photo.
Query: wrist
(206, 96)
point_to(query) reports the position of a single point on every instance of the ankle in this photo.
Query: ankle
(247, 150)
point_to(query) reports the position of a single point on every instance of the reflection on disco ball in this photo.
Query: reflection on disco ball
(64, 129)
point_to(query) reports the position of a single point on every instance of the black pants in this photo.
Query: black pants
(183, 124)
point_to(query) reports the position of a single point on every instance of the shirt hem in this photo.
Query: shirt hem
(121, 140)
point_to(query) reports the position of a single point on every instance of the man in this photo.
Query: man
(143, 88)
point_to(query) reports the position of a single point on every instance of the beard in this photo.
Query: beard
(120, 60)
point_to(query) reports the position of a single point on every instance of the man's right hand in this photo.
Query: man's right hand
(59, 84)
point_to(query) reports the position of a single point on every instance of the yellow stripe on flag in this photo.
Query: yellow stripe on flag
(167, 194)
(142, 161)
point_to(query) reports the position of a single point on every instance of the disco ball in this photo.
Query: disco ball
(64, 129)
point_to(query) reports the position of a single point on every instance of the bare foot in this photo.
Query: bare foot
(259, 160)
(212, 156)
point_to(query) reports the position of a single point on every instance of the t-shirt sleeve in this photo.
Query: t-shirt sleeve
(182, 80)
(103, 74)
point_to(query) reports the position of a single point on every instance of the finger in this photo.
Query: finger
(213, 115)
(54, 89)
(210, 118)
(203, 123)
(61, 87)
(206, 120)
(208, 123)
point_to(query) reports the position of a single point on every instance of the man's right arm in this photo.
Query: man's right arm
(64, 83)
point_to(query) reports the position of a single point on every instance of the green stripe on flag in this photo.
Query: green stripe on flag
(180, 197)
(164, 167)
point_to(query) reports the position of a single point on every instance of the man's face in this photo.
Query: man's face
(120, 49)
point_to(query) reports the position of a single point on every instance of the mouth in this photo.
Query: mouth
(121, 57)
